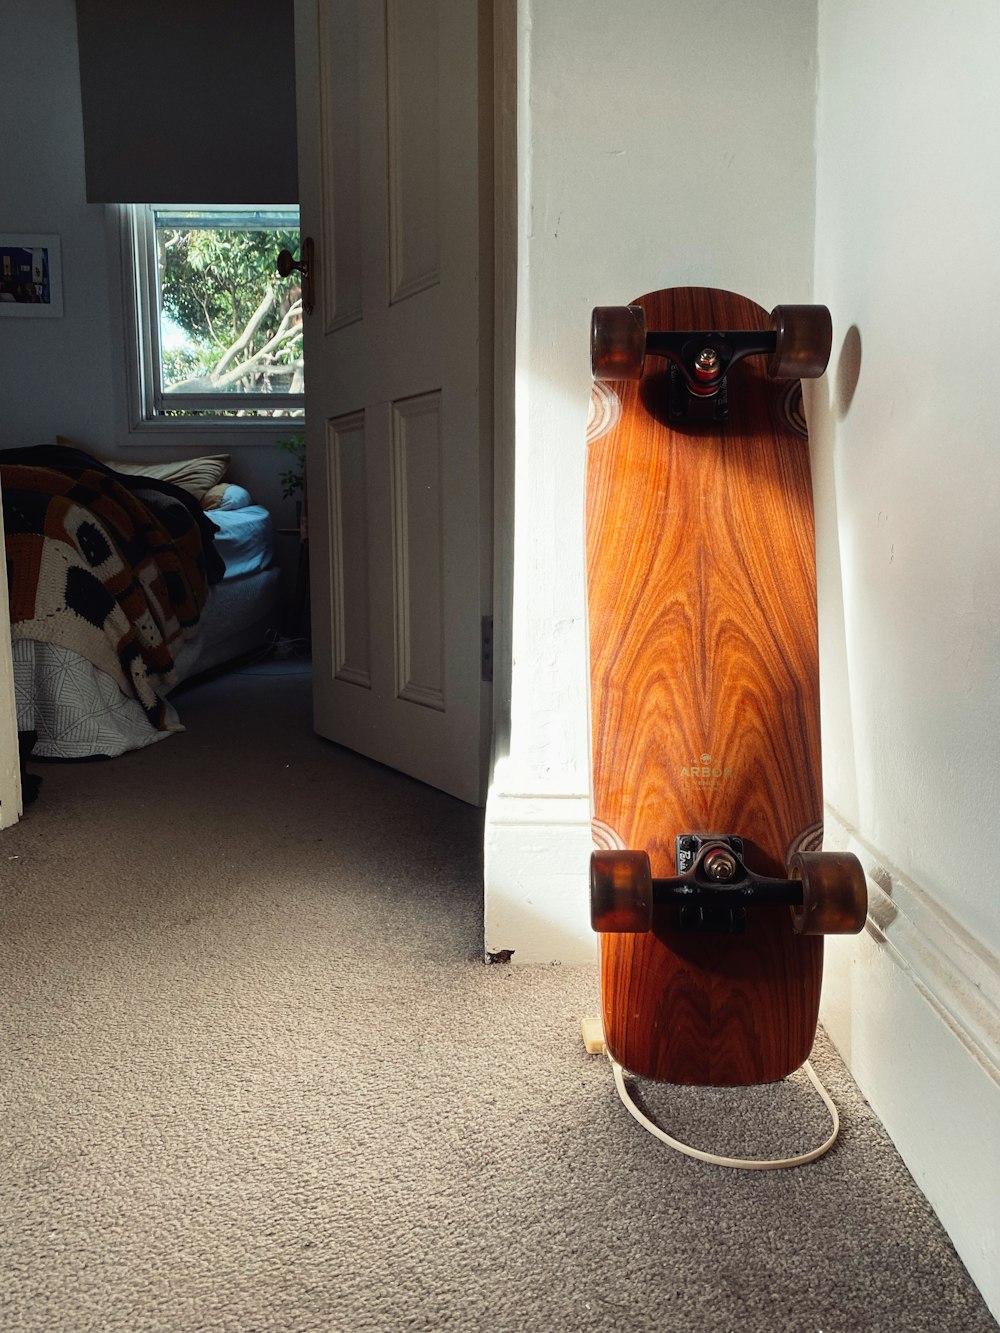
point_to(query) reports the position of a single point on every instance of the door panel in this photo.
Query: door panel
(398, 523)
(413, 73)
(418, 547)
(340, 182)
(347, 490)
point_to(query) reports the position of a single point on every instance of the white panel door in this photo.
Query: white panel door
(396, 459)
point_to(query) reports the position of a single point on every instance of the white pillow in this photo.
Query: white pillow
(196, 475)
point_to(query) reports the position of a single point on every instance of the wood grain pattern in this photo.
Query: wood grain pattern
(705, 703)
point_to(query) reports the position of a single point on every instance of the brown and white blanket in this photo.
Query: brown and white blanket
(114, 568)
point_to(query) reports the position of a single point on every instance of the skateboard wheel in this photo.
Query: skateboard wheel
(834, 893)
(617, 342)
(621, 892)
(805, 336)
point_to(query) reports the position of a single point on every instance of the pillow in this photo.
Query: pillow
(196, 475)
(226, 495)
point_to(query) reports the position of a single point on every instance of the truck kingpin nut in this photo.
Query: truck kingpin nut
(719, 864)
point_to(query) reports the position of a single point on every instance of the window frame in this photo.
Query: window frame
(149, 406)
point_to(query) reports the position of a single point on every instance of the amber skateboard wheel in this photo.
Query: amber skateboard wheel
(617, 342)
(834, 893)
(621, 892)
(804, 338)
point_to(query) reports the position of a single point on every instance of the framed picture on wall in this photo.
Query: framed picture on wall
(30, 276)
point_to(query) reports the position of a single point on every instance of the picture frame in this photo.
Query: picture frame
(30, 276)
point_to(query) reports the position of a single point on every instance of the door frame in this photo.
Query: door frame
(503, 187)
(11, 804)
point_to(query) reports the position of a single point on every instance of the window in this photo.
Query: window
(217, 334)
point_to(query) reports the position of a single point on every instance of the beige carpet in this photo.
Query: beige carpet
(254, 1078)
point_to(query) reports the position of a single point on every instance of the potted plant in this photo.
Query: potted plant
(293, 479)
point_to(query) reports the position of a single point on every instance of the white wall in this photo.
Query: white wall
(654, 150)
(659, 143)
(66, 376)
(904, 440)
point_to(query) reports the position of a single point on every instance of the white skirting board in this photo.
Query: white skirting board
(913, 1006)
(537, 858)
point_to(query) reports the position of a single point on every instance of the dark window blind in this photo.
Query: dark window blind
(188, 101)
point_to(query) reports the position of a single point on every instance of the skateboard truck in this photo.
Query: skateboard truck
(713, 887)
(796, 343)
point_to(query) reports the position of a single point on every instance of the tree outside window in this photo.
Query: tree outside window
(221, 332)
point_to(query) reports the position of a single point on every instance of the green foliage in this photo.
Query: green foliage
(293, 480)
(213, 279)
(243, 322)
(181, 363)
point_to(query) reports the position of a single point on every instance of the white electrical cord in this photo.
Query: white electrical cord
(746, 1164)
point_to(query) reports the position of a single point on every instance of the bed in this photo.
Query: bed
(126, 579)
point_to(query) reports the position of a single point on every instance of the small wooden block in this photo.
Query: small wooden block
(593, 1036)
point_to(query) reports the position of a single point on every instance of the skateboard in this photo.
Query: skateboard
(708, 889)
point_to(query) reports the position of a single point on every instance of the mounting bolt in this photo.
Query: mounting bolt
(719, 864)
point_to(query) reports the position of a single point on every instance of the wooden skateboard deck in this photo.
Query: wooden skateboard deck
(705, 699)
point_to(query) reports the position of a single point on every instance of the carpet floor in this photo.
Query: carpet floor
(255, 1078)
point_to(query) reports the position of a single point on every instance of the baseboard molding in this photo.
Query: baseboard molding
(537, 850)
(913, 1005)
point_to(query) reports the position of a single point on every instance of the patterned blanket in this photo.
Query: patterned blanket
(115, 568)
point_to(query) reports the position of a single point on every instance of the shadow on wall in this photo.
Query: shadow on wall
(848, 372)
(827, 401)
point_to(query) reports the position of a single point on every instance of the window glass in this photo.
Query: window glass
(221, 331)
